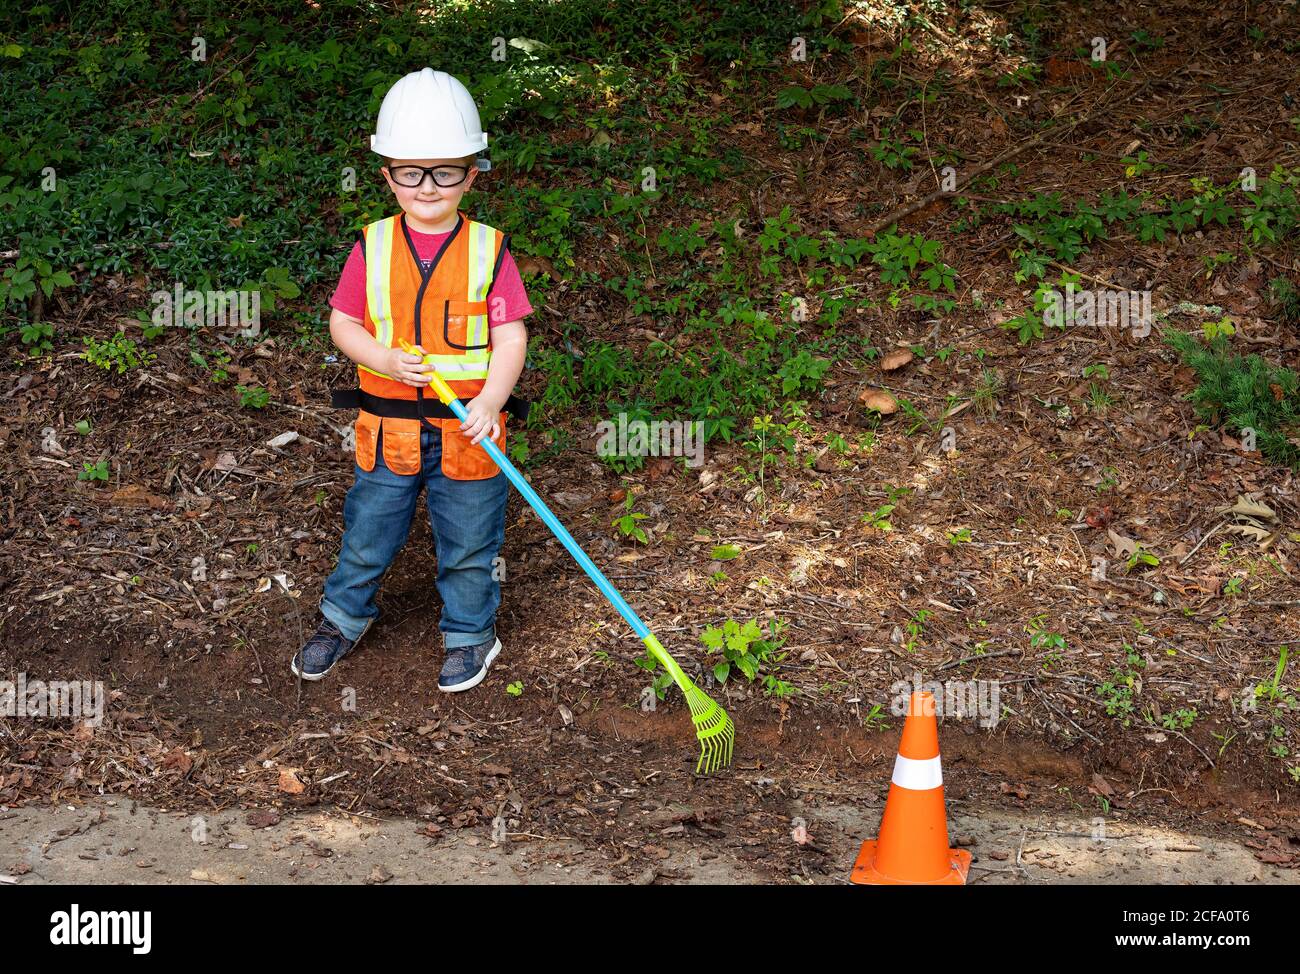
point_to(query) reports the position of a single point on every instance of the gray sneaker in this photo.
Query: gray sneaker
(466, 666)
(325, 647)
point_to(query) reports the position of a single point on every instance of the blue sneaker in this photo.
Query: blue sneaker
(466, 666)
(323, 650)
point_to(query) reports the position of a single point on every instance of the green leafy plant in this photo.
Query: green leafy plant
(21, 281)
(878, 520)
(1244, 393)
(792, 96)
(37, 336)
(893, 152)
(744, 647)
(1135, 166)
(1215, 329)
(94, 471)
(1141, 556)
(253, 397)
(1041, 638)
(628, 523)
(117, 353)
(1273, 213)
(1180, 719)
(915, 627)
(1119, 691)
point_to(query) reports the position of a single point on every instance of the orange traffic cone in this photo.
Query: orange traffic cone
(913, 843)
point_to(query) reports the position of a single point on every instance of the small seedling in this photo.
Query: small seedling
(915, 627)
(1141, 556)
(627, 522)
(94, 471)
(253, 397)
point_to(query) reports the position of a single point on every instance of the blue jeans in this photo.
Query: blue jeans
(468, 520)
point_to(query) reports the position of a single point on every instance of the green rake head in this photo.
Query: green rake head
(713, 727)
(716, 732)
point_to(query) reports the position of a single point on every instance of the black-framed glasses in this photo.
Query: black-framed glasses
(412, 176)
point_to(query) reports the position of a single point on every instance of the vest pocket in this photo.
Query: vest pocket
(462, 460)
(402, 445)
(465, 324)
(365, 432)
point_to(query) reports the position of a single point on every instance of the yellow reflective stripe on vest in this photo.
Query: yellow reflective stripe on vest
(482, 257)
(471, 365)
(379, 269)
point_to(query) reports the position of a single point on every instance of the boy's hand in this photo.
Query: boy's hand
(407, 367)
(484, 418)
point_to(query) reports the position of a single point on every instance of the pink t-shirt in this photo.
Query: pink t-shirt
(350, 295)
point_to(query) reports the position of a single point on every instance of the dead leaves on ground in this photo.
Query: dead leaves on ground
(1252, 519)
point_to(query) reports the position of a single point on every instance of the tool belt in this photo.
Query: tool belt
(413, 408)
(396, 423)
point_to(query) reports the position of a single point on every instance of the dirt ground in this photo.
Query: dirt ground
(106, 841)
(601, 792)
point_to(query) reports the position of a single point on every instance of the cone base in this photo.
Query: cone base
(865, 872)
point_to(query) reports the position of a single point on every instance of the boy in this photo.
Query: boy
(434, 278)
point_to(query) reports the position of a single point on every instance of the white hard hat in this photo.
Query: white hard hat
(429, 115)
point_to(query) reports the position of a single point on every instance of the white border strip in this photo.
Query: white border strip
(917, 775)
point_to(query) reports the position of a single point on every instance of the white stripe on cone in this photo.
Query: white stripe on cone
(917, 775)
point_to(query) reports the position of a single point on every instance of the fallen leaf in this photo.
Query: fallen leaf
(263, 818)
(289, 782)
(1123, 546)
(136, 496)
(1100, 519)
(1249, 508)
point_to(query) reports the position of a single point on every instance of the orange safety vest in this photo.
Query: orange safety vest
(444, 310)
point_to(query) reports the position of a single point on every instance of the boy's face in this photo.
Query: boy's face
(427, 201)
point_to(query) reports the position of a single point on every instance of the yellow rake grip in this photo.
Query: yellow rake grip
(657, 650)
(444, 391)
